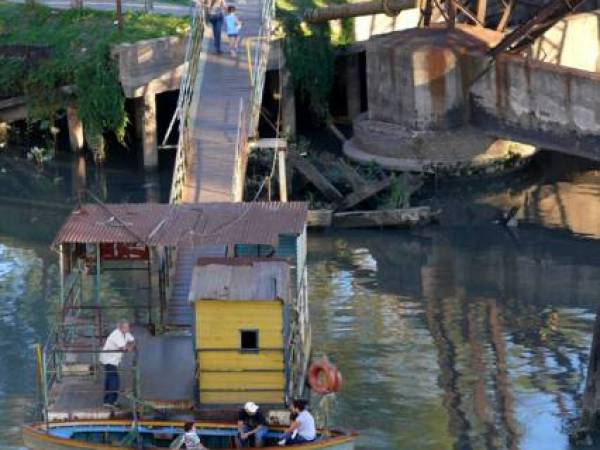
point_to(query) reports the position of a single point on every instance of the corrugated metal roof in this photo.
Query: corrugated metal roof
(240, 279)
(185, 224)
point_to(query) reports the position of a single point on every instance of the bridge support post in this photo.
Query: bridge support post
(288, 106)
(353, 97)
(149, 138)
(75, 129)
(283, 188)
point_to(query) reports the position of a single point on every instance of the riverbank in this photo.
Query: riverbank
(59, 59)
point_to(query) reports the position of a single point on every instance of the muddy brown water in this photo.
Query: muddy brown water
(465, 335)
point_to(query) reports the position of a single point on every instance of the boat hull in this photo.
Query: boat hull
(35, 436)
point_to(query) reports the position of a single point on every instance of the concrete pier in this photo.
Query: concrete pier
(149, 137)
(75, 129)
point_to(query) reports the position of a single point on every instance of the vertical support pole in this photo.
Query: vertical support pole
(150, 140)
(98, 270)
(353, 98)
(41, 358)
(427, 12)
(451, 12)
(150, 257)
(268, 182)
(481, 11)
(283, 192)
(75, 129)
(61, 269)
(288, 106)
(119, 10)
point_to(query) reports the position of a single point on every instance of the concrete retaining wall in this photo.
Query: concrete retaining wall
(540, 103)
(155, 64)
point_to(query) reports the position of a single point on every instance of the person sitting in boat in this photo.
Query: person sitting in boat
(191, 438)
(302, 428)
(252, 426)
(118, 342)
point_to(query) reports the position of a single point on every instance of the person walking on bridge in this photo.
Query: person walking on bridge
(216, 15)
(118, 342)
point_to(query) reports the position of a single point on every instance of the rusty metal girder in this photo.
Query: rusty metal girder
(542, 20)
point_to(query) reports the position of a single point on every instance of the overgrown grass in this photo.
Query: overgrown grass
(309, 51)
(80, 42)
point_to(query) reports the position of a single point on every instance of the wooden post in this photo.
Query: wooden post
(75, 129)
(283, 192)
(119, 10)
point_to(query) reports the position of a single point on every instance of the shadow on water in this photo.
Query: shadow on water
(462, 336)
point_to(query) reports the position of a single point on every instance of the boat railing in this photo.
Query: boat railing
(54, 358)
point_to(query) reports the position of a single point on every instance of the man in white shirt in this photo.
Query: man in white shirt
(117, 343)
(303, 427)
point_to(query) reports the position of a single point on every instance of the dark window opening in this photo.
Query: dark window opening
(249, 340)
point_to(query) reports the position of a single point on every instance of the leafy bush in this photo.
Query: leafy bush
(80, 40)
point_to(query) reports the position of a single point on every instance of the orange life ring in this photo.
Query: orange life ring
(323, 377)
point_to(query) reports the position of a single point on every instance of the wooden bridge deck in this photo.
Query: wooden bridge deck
(215, 111)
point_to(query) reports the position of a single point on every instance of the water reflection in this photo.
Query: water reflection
(464, 336)
(451, 342)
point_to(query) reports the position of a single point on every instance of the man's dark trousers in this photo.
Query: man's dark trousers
(111, 384)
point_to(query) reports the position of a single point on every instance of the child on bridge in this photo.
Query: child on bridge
(233, 25)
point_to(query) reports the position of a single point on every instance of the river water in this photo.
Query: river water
(465, 335)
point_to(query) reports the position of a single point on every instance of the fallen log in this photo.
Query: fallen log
(363, 193)
(343, 11)
(311, 173)
(405, 217)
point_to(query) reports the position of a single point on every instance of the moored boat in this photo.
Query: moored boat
(108, 434)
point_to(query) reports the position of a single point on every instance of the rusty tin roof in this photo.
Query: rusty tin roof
(156, 224)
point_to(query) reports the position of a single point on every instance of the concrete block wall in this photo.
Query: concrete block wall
(159, 62)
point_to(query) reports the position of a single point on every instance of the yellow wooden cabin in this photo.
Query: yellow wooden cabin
(241, 308)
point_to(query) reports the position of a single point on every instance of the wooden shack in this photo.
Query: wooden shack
(242, 324)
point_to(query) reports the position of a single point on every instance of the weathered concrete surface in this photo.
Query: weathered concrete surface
(442, 79)
(540, 103)
(415, 78)
(151, 64)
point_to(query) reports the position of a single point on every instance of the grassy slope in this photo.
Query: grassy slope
(80, 41)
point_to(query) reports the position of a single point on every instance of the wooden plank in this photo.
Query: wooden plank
(313, 174)
(363, 193)
(319, 218)
(348, 172)
(405, 217)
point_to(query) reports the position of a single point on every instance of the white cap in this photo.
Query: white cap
(251, 407)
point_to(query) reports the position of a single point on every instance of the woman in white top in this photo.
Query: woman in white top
(303, 427)
(189, 439)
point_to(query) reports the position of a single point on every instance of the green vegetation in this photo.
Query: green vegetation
(309, 52)
(80, 42)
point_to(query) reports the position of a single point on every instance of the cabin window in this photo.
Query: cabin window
(249, 340)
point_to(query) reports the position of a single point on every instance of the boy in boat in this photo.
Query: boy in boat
(191, 438)
(118, 342)
(252, 426)
(303, 427)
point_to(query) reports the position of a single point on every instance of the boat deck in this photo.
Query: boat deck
(166, 381)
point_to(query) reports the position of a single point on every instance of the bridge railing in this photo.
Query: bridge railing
(241, 154)
(195, 59)
(258, 60)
